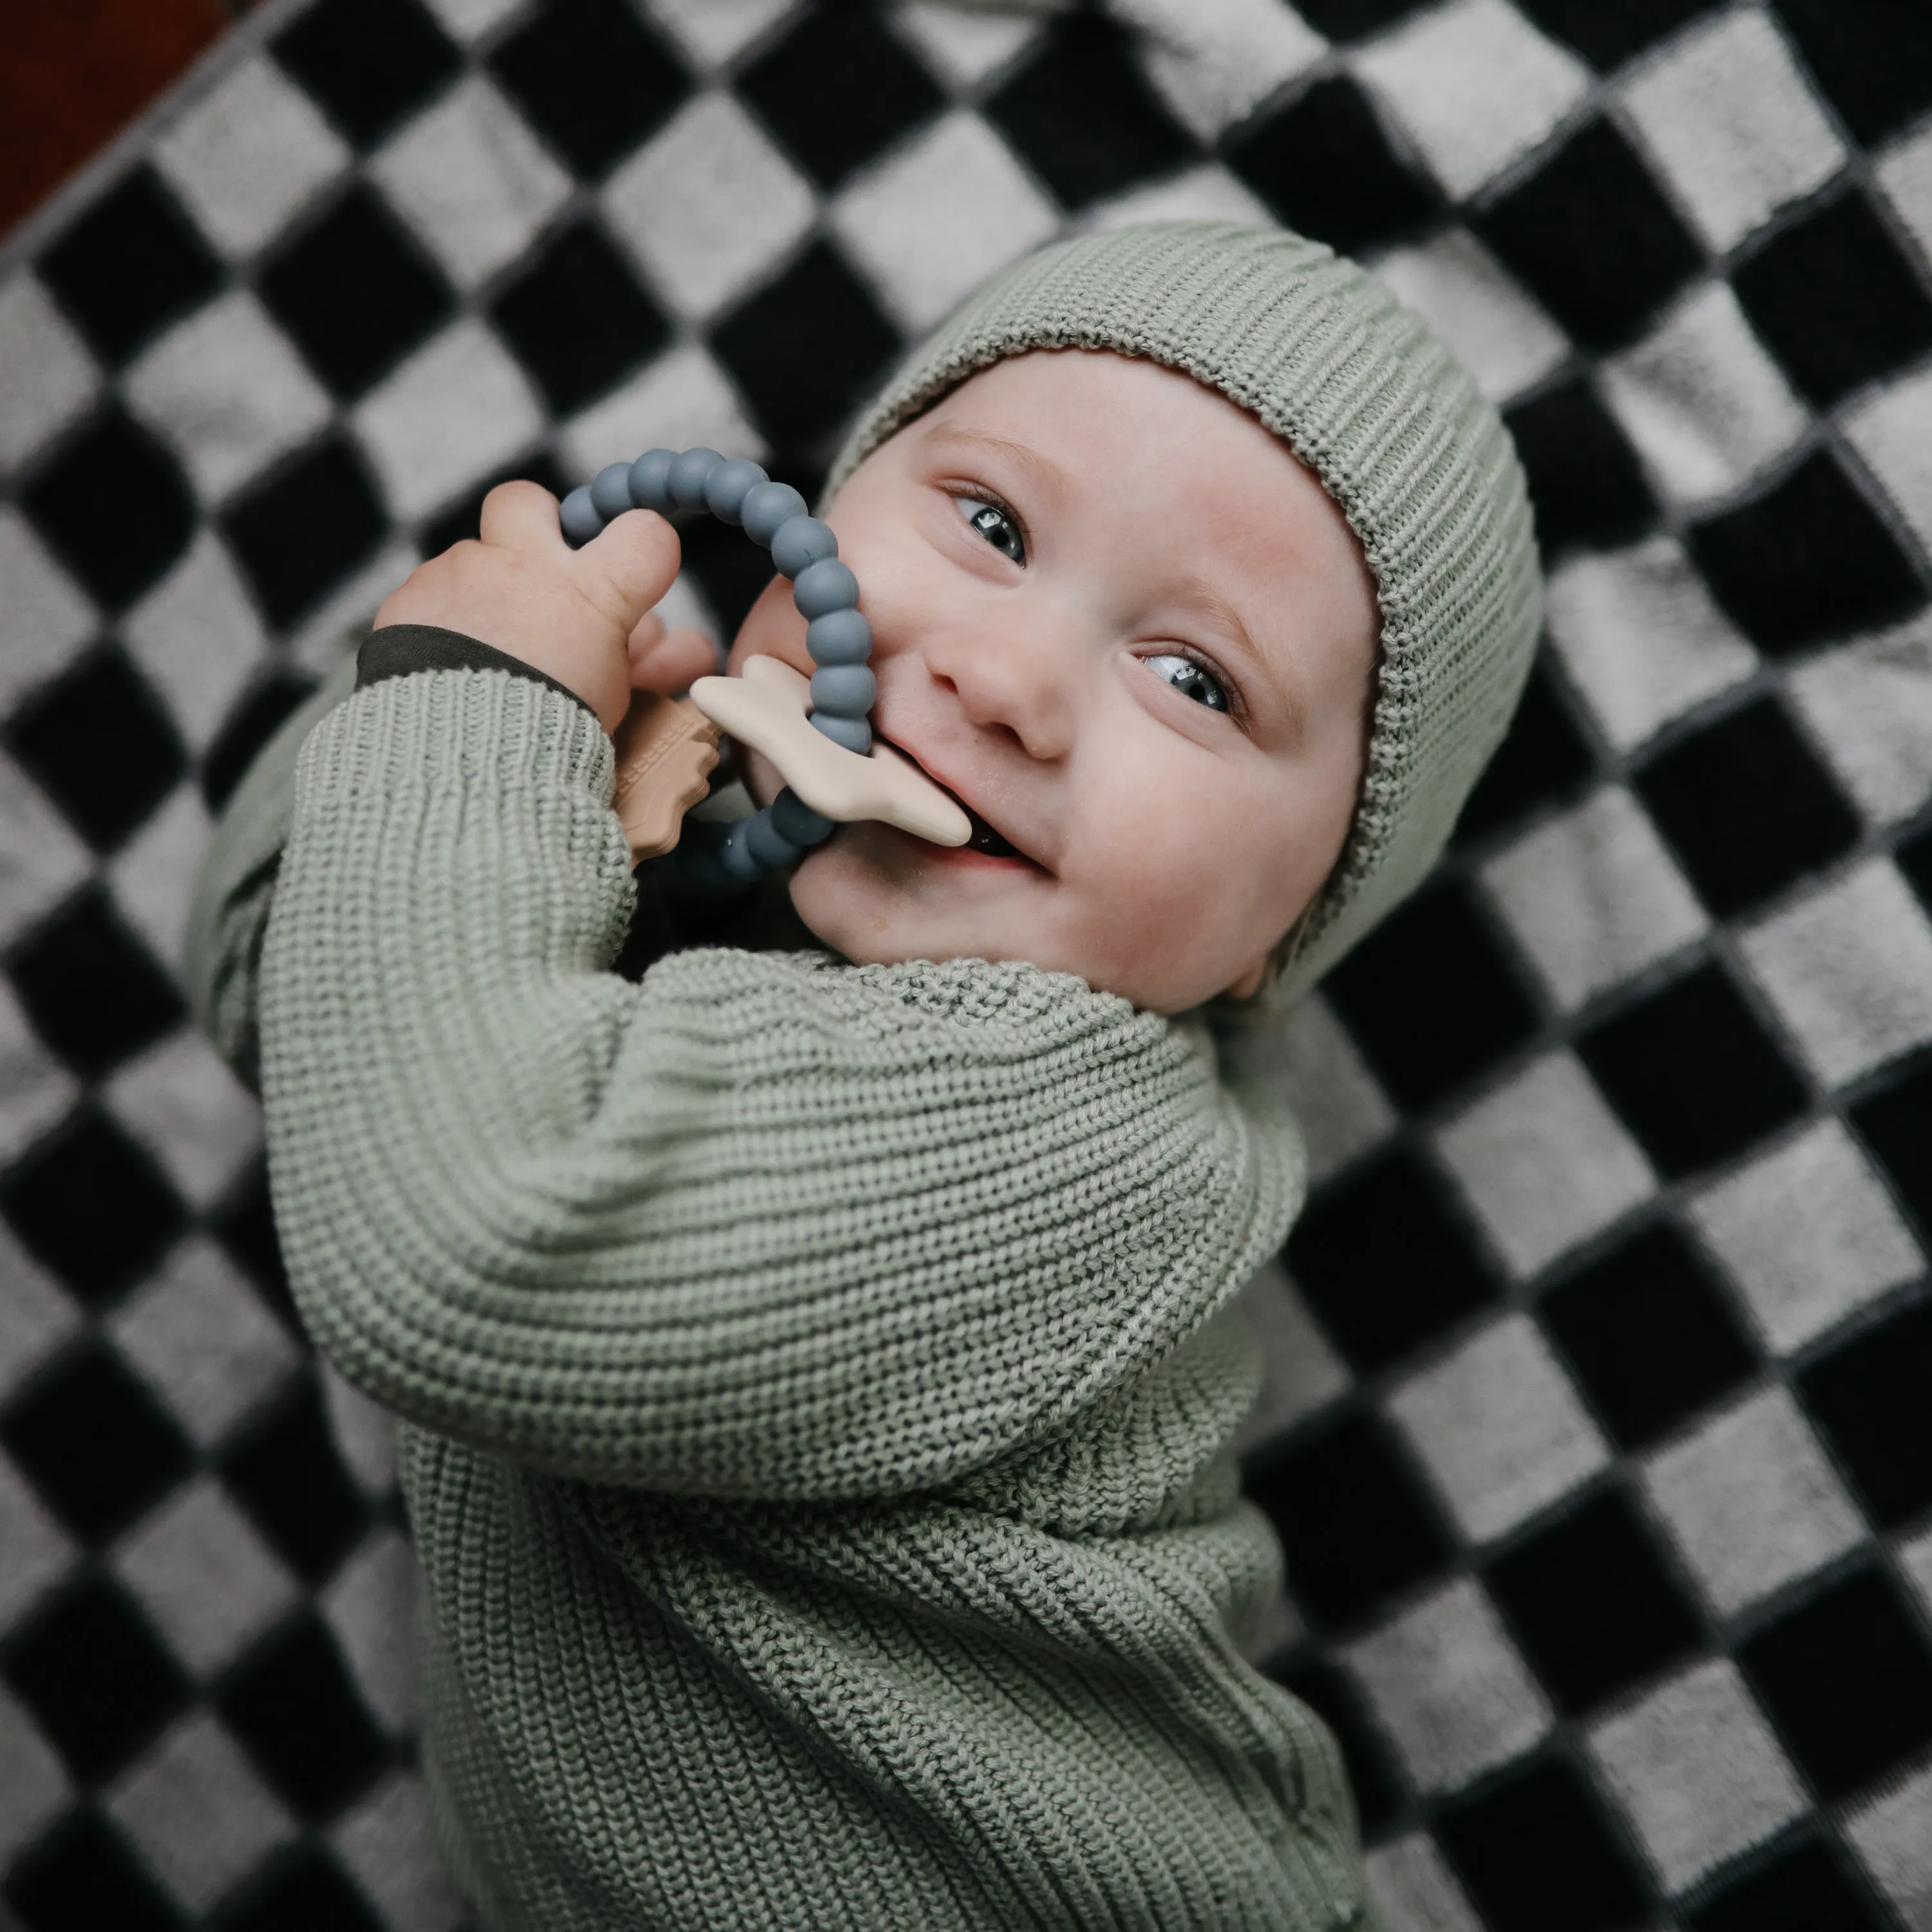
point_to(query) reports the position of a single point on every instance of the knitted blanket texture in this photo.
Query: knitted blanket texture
(817, 1380)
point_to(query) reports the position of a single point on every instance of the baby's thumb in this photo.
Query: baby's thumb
(627, 567)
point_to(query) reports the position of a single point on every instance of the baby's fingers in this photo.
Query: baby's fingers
(627, 568)
(523, 517)
(669, 661)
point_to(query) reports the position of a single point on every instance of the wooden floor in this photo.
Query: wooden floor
(72, 74)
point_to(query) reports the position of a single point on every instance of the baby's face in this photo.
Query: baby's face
(1136, 639)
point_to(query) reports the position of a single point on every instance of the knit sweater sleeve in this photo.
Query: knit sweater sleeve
(764, 1225)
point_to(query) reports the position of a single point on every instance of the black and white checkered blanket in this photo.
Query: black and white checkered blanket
(1597, 1431)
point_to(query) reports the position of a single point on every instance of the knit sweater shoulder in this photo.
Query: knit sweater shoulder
(816, 1381)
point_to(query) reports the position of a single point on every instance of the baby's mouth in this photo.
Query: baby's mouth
(984, 839)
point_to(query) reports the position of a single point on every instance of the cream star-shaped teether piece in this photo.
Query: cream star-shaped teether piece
(768, 708)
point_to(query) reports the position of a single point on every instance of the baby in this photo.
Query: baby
(817, 1369)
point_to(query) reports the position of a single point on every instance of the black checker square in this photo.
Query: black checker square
(1354, 1523)
(1592, 1603)
(101, 745)
(1331, 1694)
(51, 1199)
(253, 721)
(355, 293)
(94, 991)
(1692, 1073)
(1543, 759)
(1807, 559)
(1591, 234)
(305, 527)
(1079, 111)
(99, 1682)
(1914, 858)
(368, 63)
(94, 1442)
(1385, 1262)
(1868, 1396)
(1895, 1122)
(576, 318)
(1847, 1677)
(244, 1224)
(1835, 299)
(113, 505)
(1873, 58)
(1607, 36)
(1536, 1852)
(129, 266)
(591, 78)
(1426, 1033)
(308, 1892)
(285, 1473)
(1805, 1888)
(1352, 19)
(804, 348)
(1649, 1334)
(1746, 806)
(1325, 163)
(292, 1705)
(85, 1874)
(1585, 482)
(838, 87)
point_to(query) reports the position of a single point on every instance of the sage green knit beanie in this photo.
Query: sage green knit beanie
(1379, 410)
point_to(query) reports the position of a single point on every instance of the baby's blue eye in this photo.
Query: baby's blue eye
(995, 525)
(1190, 679)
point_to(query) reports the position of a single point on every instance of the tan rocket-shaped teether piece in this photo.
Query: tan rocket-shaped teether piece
(768, 708)
(666, 749)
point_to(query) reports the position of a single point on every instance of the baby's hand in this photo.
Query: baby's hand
(580, 616)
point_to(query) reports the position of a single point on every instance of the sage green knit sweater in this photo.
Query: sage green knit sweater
(817, 1381)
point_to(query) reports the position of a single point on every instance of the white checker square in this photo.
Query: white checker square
(364, 1431)
(385, 1842)
(201, 1572)
(1337, 1104)
(709, 206)
(1413, 1891)
(43, 616)
(1751, 1502)
(1300, 1372)
(33, 1784)
(1906, 176)
(457, 409)
(1705, 406)
(200, 1336)
(41, 859)
(469, 20)
(37, 1549)
(154, 874)
(370, 1606)
(714, 31)
(1500, 333)
(472, 180)
(46, 375)
(1474, 85)
(1543, 1162)
(935, 218)
(1890, 1835)
(1848, 969)
(247, 154)
(196, 636)
(1499, 1428)
(681, 400)
(1892, 431)
(36, 1317)
(1809, 1235)
(227, 390)
(180, 1101)
(1915, 1559)
(1697, 1771)
(1592, 897)
(200, 1815)
(1733, 124)
(1870, 705)
(1215, 60)
(1642, 639)
(1449, 1687)
(1206, 194)
(966, 47)
(36, 1090)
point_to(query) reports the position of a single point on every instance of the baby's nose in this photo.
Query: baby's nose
(1009, 678)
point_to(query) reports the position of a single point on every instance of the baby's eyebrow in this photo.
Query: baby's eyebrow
(1042, 469)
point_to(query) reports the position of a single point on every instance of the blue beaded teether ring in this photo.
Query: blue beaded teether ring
(827, 593)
